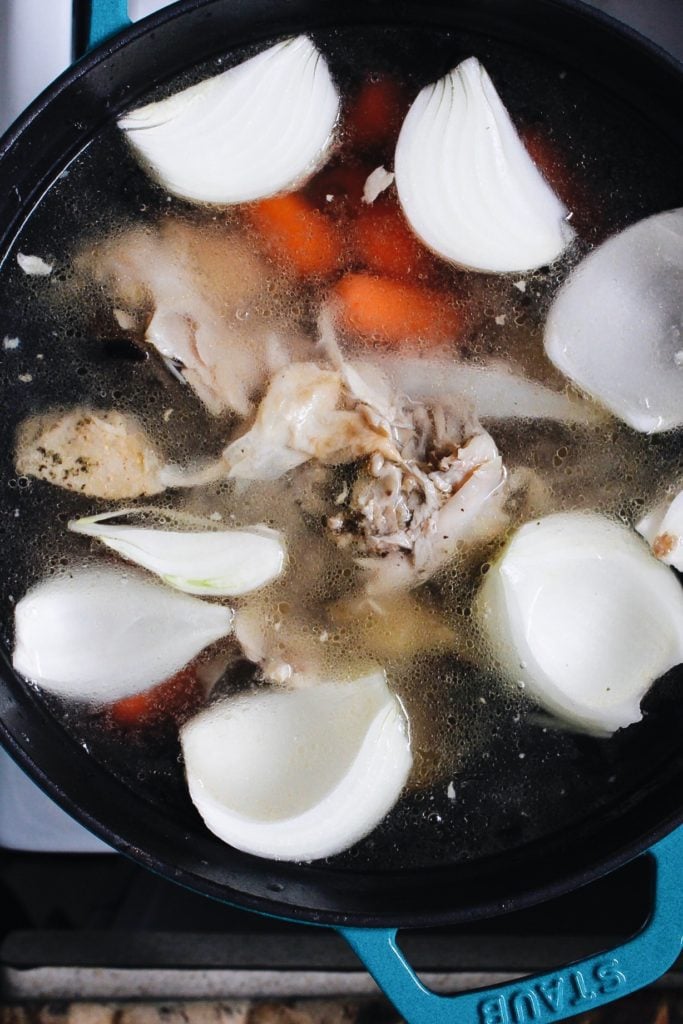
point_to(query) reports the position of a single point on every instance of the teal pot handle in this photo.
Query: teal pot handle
(542, 998)
(98, 20)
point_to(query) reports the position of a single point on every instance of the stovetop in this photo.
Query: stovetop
(93, 927)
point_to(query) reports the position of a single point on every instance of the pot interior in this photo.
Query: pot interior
(537, 808)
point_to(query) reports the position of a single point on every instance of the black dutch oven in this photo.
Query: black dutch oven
(366, 907)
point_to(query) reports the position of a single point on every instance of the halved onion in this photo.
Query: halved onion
(216, 563)
(467, 184)
(257, 129)
(579, 612)
(100, 634)
(662, 528)
(615, 327)
(298, 774)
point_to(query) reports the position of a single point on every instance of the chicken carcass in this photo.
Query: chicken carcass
(428, 476)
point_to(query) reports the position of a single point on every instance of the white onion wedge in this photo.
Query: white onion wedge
(257, 129)
(100, 634)
(615, 327)
(220, 563)
(662, 528)
(298, 774)
(467, 184)
(579, 613)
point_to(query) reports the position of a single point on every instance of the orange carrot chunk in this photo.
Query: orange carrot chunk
(396, 312)
(385, 243)
(375, 115)
(169, 700)
(296, 234)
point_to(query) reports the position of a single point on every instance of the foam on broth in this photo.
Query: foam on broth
(490, 771)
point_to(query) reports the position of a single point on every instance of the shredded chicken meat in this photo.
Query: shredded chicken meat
(445, 491)
(393, 502)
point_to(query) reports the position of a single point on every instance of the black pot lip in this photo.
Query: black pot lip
(493, 908)
(137, 30)
(527, 895)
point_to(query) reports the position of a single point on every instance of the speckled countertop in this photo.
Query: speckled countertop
(653, 1006)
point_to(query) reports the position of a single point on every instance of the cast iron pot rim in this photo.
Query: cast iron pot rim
(529, 894)
(82, 65)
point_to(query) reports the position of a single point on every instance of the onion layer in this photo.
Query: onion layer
(100, 634)
(492, 388)
(298, 774)
(615, 327)
(579, 612)
(467, 184)
(257, 129)
(216, 563)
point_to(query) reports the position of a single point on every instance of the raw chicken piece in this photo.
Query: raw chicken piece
(102, 454)
(392, 502)
(204, 296)
(429, 477)
(306, 413)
